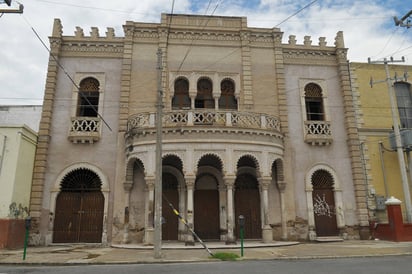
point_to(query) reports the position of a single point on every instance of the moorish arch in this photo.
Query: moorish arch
(79, 203)
(324, 201)
(207, 202)
(173, 190)
(247, 197)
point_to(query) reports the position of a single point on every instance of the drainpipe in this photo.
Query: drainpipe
(2, 152)
(383, 168)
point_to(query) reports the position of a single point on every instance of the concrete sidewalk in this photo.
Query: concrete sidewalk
(177, 252)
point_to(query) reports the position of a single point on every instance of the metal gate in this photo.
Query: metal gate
(324, 204)
(247, 203)
(78, 217)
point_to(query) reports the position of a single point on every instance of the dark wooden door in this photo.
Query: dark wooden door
(206, 215)
(247, 203)
(171, 224)
(79, 217)
(324, 212)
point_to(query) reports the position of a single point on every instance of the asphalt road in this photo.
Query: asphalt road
(368, 265)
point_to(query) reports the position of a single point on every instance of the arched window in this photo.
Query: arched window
(227, 98)
(88, 98)
(314, 103)
(181, 97)
(204, 98)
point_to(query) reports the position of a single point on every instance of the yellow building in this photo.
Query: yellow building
(375, 126)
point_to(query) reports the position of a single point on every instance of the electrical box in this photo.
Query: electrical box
(380, 202)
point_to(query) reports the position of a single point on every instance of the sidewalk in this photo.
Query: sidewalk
(177, 252)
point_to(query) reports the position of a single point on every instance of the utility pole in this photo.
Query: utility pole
(8, 3)
(158, 183)
(398, 141)
(400, 22)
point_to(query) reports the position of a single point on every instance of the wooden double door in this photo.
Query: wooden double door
(78, 217)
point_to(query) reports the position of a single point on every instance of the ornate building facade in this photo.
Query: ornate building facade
(251, 126)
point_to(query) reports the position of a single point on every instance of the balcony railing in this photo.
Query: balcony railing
(205, 118)
(318, 132)
(85, 129)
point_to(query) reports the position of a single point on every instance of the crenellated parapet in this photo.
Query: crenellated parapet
(310, 52)
(92, 45)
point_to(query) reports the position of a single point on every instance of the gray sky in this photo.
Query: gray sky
(368, 27)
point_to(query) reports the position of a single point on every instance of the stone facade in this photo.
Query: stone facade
(251, 126)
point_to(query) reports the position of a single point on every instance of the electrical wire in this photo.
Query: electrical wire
(297, 12)
(66, 73)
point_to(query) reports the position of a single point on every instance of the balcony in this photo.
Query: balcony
(318, 133)
(85, 129)
(205, 119)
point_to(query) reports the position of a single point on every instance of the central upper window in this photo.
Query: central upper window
(204, 97)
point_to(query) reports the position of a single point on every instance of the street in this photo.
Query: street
(369, 265)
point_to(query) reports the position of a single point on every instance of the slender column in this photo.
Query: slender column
(127, 188)
(230, 182)
(182, 208)
(190, 185)
(267, 234)
(149, 212)
(282, 186)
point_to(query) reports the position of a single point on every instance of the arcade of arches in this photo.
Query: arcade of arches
(209, 201)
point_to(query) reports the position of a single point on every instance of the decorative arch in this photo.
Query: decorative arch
(104, 190)
(277, 171)
(129, 170)
(248, 161)
(227, 98)
(210, 159)
(204, 97)
(174, 160)
(338, 198)
(181, 98)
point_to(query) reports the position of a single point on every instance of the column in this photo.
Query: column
(182, 208)
(127, 188)
(267, 234)
(230, 182)
(282, 186)
(149, 212)
(190, 185)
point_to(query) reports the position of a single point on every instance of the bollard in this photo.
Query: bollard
(27, 224)
(241, 228)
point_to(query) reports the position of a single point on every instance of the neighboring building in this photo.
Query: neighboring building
(251, 126)
(17, 149)
(375, 127)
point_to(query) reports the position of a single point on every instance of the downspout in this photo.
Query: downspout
(2, 152)
(383, 169)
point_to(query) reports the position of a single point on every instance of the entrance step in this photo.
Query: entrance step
(329, 239)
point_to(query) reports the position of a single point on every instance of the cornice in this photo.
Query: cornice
(90, 48)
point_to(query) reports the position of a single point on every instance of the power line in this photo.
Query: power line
(305, 7)
(67, 74)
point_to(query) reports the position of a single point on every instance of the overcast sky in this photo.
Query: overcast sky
(368, 26)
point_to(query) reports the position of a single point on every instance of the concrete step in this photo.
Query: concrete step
(329, 239)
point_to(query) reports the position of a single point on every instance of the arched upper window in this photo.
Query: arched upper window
(204, 98)
(227, 98)
(181, 97)
(314, 103)
(88, 98)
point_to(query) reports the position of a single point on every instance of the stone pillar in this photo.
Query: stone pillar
(282, 186)
(393, 207)
(182, 208)
(127, 188)
(149, 212)
(190, 185)
(230, 182)
(267, 234)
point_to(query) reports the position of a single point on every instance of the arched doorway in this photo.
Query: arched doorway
(79, 208)
(247, 203)
(170, 195)
(324, 204)
(206, 208)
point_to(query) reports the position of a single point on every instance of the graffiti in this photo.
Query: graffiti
(18, 211)
(321, 207)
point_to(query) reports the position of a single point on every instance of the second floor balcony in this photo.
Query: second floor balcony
(206, 119)
(85, 129)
